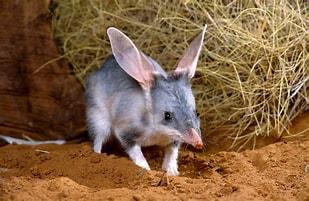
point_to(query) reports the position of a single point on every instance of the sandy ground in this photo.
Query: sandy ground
(278, 171)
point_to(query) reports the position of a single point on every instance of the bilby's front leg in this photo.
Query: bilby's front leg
(136, 155)
(170, 159)
(128, 140)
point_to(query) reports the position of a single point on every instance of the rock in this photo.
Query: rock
(42, 101)
(95, 159)
(137, 197)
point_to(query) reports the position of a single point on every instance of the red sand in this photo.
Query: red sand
(278, 171)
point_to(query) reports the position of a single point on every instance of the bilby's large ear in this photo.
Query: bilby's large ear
(189, 60)
(130, 59)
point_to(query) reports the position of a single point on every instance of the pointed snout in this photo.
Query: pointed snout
(192, 137)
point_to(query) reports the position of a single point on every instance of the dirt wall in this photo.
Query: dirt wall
(41, 102)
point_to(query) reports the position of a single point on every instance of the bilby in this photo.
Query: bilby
(134, 99)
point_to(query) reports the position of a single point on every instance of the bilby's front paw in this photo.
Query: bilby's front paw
(172, 172)
(171, 169)
(143, 164)
(137, 157)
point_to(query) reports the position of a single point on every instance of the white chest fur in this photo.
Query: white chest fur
(154, 139)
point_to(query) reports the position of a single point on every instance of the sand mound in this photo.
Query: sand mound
(70, 172)
(73, 172)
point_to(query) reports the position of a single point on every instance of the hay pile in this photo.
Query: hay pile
(253, 74)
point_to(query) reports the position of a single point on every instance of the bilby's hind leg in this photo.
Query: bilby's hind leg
(99, 127)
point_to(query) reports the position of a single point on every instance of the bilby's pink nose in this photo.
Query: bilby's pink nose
(193, 138)
(199, 145)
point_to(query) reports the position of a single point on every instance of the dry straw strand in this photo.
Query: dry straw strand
(253, 73)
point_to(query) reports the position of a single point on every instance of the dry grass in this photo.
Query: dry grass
(253, 74)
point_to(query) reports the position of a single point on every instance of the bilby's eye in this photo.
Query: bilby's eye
(168, 116)
(197, 113)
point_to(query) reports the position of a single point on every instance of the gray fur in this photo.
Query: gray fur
(174, 94)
